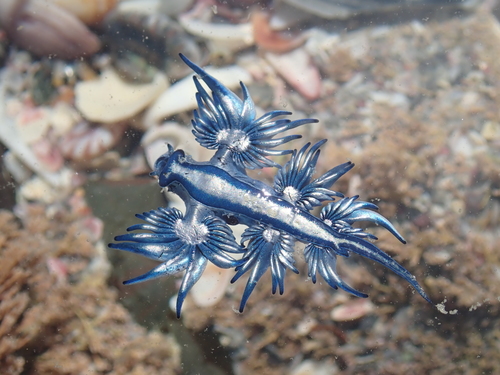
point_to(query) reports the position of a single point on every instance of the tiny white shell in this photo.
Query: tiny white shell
(233, 37)
(181, 96)
(211, 286)
(84, 143)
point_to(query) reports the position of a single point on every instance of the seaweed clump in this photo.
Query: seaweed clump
(57, 315)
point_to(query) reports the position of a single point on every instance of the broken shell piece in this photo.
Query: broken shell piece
(313, 367)
(83, 142)
(272, 40)
(44, 28)
(352, 310)
(298, 69)
(155, 141)
(110, 99)
(48, 154)
(63, 117)
(38, 190)
(33, 123)
(212, 285)
(232, 37)
(138, 6)
(181, 96)
(9, 136)
(16, 169)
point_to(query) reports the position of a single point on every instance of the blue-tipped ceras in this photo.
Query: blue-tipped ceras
(219, 192)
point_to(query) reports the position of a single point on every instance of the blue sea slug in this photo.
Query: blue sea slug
(219, 193)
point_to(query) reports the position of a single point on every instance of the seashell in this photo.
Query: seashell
(48, 154)
(313, 367)
(212, 286)
(33, 123)
(305, 326)
(15, 168)
(63, 117)
(37, 189)
(10, 137)
(84, 142)
(180, 97)
(110, 99)
(437, 258)
(139, 6)
(168, 7)
(270, 39)
(155, 140)
(352, 310)
(223, 36)
(46, 29)
(90, 12)
(298, 69)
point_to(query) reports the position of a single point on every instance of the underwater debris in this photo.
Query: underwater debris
(220, 192)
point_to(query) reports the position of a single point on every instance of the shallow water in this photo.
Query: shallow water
(408, 92)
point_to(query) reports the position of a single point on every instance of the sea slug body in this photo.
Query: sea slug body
(219, 193)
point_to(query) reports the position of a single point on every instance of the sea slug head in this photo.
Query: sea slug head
(163, 165)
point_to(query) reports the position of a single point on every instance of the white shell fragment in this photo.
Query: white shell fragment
(41, 190)
(16, 169)
(33, 123)
(110, 99)
(138, 6)
(212, 285)
(313, 367)
(232, 37)
(155, 141)
(297, 68)
(63, 117)
(10, 137)
(181, 96)
(352, 310)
